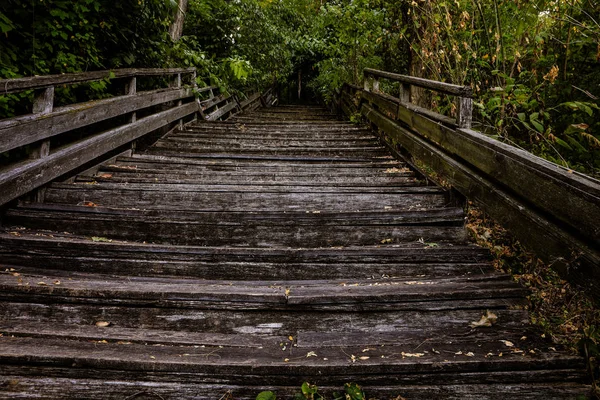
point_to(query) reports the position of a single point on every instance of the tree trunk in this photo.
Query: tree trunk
(176, 28)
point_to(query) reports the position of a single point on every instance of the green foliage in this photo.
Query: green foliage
(534, 66)
(350, 36)
(268, 395)
(352, 391)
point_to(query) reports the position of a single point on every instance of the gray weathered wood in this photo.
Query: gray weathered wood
(29, 175)
(448, 88)
(536, 231)
(464, 112)
(39, 82)
(28, 129)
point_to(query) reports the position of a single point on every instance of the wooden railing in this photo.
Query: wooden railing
(553, 210)
(83, 133)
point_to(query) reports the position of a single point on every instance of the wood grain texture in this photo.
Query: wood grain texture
(280, 246)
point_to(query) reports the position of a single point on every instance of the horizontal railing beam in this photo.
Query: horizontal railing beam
(31, 174)
(40, 82)
(31, 128)
(447, 88)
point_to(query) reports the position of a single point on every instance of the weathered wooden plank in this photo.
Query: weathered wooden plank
(240, 198)
(256, 230)
(293, 164)
(385, 103)
(266, 190)
(570, 197)
(21, 131)
(83, 254)
(300, 137)
(38, 82)
(18, 387)
(29, 175)
(444, 294)
(264, 179)
(440, 380)
(222, 111)
(261, 142)
(448, 88)
(544, 237)
(132, 335)
(262, 322)
(269, 362)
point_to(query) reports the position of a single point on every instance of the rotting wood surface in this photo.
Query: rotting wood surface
(278, 247)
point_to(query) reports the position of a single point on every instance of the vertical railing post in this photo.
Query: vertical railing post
(376, 84)
(194, 84)
(464, 114)
(130, 90)
(176, 83)
(366, 86)
(405, 93)
(43, 103)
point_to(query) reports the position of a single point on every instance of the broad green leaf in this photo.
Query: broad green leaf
(267, 395)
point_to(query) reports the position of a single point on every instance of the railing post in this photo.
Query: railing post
(43, 103)
(131, 89)
(176, 83)
(195, 86)
(376, 85)
(405, 93)
(366, 83)
(464, 114)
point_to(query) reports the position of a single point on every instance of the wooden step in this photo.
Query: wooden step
(492, 291)
(242, 198)
(264, 143)
(17, 387)
(278, 247)
(282, 166)
(23, 247)
(251, 230)
(118, 174)
(271, 365)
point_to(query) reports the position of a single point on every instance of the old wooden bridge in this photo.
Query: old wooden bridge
(159, 245)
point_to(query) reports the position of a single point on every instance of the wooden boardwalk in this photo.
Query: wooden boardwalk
(278, 247)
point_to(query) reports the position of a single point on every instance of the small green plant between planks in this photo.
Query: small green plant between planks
(352, 391)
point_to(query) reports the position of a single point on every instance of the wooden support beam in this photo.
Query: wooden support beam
(43, 104)
(464, 112)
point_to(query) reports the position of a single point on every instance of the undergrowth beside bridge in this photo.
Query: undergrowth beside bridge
(568, 315)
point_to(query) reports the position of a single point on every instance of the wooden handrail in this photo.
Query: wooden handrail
(40, 82)
(170, 108)
(553, 210)
(447, 88)
(464, 94)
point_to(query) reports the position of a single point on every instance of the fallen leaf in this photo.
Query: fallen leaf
(384, 241)
(42, 283)
(486, 320)
(364, 358)
(102, 324)
(90, 204)
(412, 354)
(100, 239)
(311, 354)
(508, 343)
